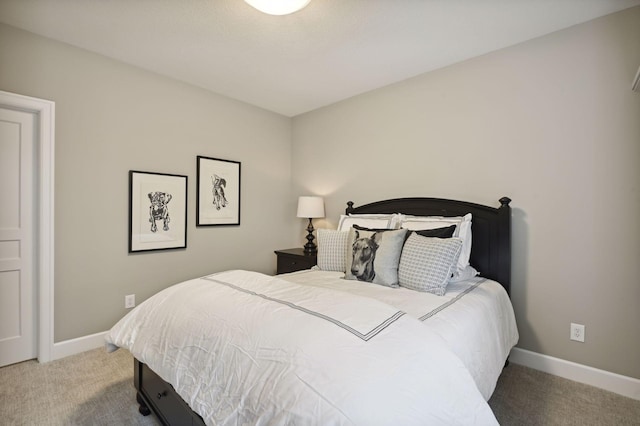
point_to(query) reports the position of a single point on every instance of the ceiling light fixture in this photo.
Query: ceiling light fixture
(278, 7)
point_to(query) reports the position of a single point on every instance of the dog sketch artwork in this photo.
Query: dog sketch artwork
(219, 199)
(364, 255)
(159, 210)
(218, 191)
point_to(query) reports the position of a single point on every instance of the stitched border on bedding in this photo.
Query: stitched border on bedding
(364, 336)
(451, 302)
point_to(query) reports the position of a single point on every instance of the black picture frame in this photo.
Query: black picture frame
(217, 192)
(157, 211)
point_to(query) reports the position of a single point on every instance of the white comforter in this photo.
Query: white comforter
(243, 348)
(475, 317)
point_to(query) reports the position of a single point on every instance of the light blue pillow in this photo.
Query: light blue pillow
(373, 255)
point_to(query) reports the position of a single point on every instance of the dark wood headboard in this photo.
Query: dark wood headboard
(490, 229)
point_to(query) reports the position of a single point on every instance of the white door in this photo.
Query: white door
(17, 296)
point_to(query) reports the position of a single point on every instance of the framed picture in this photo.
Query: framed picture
(157, 211)
(217, 192)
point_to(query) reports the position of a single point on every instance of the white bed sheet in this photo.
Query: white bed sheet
(475, 317)
(245, 348)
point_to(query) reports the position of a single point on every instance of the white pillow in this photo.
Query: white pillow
(332, 250)
(463, 231)
(371, 221)
(467, 273)
(426, 263)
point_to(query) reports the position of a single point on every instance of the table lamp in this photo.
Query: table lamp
(310, 207)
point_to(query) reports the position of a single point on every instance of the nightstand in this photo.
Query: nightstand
(291, 260)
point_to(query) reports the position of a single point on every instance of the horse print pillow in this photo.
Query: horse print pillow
(373, 255)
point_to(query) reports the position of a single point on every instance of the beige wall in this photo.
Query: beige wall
(111, 118)
(551, 123)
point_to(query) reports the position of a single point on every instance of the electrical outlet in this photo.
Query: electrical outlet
(130, 301)
(577, 332)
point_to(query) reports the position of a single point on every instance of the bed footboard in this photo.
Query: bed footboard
(157, 396)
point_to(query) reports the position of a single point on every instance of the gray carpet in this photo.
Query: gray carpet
(525, 396)
(91, 388)
(96, 388)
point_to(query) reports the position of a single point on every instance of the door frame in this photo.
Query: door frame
(44, 112)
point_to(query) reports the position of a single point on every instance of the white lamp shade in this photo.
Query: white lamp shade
(310, 207)
(278, 7)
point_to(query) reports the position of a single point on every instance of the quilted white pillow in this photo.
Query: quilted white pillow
(463, 231)
(332, 250)
(426, 263)
(371, 221)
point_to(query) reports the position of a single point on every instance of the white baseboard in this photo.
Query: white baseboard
(78, 345)
(612, 382)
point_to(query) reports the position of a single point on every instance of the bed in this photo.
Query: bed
(401, 357)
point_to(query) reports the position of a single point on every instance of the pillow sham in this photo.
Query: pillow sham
(378, 221)
(426, 263)
(446, 232)
(463, 231)
(465, 274)
(373, 256)
(363, 228)
(332, 250)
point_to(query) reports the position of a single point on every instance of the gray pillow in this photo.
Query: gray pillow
(374, 256)
(332, 250)
(427, 263)
(446, 232)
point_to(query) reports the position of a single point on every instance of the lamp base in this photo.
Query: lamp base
(310, 247)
